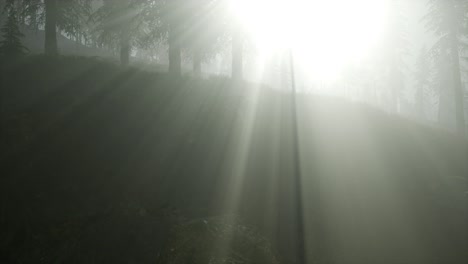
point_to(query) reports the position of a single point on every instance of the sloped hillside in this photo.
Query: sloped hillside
(84, 143)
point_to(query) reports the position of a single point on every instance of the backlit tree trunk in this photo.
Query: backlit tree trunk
(420, 101)
(175, 58)
(125, 49)
(197, 62)
(51, 13)
(457, 85)
(396, 83)
(237, 56)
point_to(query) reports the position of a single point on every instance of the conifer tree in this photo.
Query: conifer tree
(422, 76)
(11, 46)
(119, 25)
(204, 31)
(447, 19)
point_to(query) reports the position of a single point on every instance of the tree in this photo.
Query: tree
(196, 27)
(441, 80)
(125, 24)
(422, 76)
(237, 55)
(32, 13)
(447, 19)
(27, 11)
(115, 23)
(174, 21)
(396, 47)
(204, 31)
(67, 16)
(11, 46)
(74, 17)
(51, 13)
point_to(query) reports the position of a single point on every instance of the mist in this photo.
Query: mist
(233, 131)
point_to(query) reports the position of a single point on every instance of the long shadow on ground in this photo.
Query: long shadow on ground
(94, 156)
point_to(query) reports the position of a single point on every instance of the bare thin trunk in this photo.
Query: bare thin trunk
(457, 85)
(125, 49)
(50, 45)
(197, 63)
(125, 55)
(237, 56)
(175, 58)
(284, 72)
(396, 84)
(420, 101)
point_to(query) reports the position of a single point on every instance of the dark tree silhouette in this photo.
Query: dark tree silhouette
(32, 11)
(118, 24)
(175, 17)
(64, 16)
(11, 46)
(51, 13)
(73, 18)
(27, 11)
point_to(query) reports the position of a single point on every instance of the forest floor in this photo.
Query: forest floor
(99, 163)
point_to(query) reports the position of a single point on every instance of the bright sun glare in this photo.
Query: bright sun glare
(325, 35)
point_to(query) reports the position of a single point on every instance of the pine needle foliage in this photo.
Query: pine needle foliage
(11, 45)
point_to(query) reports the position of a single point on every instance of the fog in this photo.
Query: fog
(233, 131)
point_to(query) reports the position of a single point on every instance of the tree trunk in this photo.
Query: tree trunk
(175, 58)
(51, 12)
(125, 49)
(197, 63)
(77, 43)
(237, 56)
(420, 101)
(395, 83)
(125, 55)
(284, 72)
(457, 85)
(33, 24)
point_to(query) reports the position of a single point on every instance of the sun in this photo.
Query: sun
(325, 35)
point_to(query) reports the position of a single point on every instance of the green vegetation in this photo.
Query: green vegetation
(11, 46)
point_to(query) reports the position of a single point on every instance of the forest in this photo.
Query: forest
(234, 131)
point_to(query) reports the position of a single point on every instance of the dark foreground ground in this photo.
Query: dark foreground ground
(107, 165)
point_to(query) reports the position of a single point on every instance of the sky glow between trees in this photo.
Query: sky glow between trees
(328, 35)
